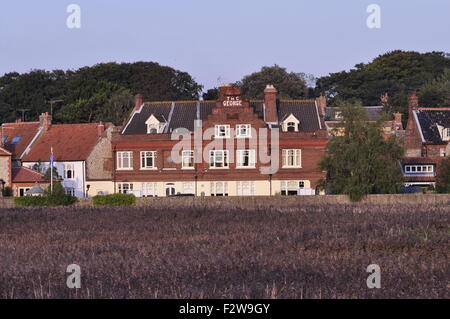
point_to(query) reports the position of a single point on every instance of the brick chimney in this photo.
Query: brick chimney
(100, 128)
(322, 104)
(270, 104)
(138, 101)
(413, 102)
(45, 121)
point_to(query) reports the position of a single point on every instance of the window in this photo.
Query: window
(245, 188)
(290, 188)
(149, 189)
(222, 131)
(292, 158)
(170, 189)
(218, 159)
(219, 188)
(148, 160)
(4, 138)
(152, 129)
(187, 159)
(291, 127)
(338, 115)
(124, 160)
(243, 130)
(69, 191)
(15, 140)
(419, 169)
(124, 188)
(188, 188)
(442, 152)
(69, 171)
(245, 158)
(23, 190)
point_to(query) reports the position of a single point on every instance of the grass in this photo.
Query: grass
(215, 250)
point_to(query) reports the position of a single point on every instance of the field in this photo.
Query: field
(217, 250)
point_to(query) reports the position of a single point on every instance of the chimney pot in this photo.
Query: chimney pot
(100, 129)
(322, 104)
(45, 121)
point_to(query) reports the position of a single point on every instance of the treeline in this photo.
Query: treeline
(105, 91)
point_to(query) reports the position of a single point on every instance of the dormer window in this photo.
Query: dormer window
(290, 124)
(291, 127)
(444, 132)
(154, 126)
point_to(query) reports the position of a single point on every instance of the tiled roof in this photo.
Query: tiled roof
(4, 152)
(183, 114)
(70, 142)
(26, 130)
(419, 160)
(25, 175)
(428, 119)
(373, 113)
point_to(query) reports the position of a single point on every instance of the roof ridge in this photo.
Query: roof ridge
(29, 169)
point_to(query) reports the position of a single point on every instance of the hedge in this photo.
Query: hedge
(114, 200)
(45, 200)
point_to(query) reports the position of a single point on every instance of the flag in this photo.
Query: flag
(52, 159)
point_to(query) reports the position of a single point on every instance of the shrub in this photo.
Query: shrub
(7, 191)
(31, 201)
(114, 200)
(56, 198)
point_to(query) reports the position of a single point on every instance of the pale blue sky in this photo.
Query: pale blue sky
(212, 39)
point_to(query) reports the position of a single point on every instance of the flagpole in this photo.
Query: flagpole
(51, 169)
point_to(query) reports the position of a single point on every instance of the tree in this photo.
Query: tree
(397, 73)
(436, 92)
(211, 94)
(359, 160)
(443, 178)
(289, 85)
(88, 91)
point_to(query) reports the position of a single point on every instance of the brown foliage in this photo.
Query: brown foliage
(219, 251)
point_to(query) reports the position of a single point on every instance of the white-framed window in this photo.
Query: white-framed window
(245, 158)
(219, 188)
(148, 160)
(243, 130)
(419, 169)
(222, 131)
(124, 188)
(291, 188)
(292, 158)
(69, 191)
(291, 127)
(187, 160)
(442, 152)
(245, 188)
(149, 189)
(23, 190)
(170, 189)
(125, 160)
(69, 172)
(218, 159)
(188, 188)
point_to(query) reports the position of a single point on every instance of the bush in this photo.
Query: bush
(56, 198)
(7, 191)
(114, 200)
(30, 201)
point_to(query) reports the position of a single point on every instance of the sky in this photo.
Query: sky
(217, 41)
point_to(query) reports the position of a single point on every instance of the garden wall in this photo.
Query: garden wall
(278, 201)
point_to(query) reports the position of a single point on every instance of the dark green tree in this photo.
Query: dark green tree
(436, 92)
(211, 94)
(397, 73)
(359, 160)
(443, 178)
(289, 85)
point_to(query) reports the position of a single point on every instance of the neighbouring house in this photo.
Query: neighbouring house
(224, 151)
(426, 143)
(81, 154)
(333, 117)
(5, 169)
(16, 140)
